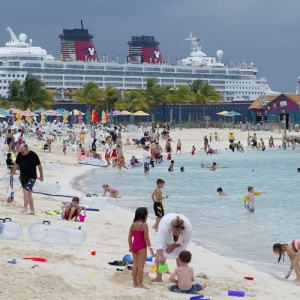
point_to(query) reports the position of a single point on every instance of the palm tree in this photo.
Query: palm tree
(154, 94)
(28, 94)
(179, 95)
(110, 95)
(205, 95)
(194, 88)
(89, 94)
(134, 101)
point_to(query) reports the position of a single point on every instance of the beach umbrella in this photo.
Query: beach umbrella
(140, 113)
(29, 113)
(40, 110)
(52, 113)
(73, 118)
(80, 118)
(42, 118)
(2, 116)
(87, 117)
(95, 117)
(111, 117)
(107, 116)
(126, 113)
(76, 112)
(65, 118)
(63, 112)
(12, 110)
(222, 113)
(5, 113)
(19, 116)
(233, 113)
(117, 113)
(103, 117)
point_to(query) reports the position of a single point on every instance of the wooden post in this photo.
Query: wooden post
(284, 126)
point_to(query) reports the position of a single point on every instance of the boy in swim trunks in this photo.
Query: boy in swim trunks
(249, 204)
(185, 276)
(157, 198)
(72, 210)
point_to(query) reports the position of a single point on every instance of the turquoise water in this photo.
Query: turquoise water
(221, 224)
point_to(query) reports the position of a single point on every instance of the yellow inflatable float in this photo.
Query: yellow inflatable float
(257, 193)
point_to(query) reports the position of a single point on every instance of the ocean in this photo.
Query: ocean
(221, 223)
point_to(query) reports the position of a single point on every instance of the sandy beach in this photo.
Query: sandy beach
(73, 273)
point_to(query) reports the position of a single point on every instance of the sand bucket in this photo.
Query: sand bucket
(81, 218)
(163, 268)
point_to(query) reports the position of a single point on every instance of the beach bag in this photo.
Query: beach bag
(10, 192)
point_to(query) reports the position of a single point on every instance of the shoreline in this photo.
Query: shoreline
(70, 267)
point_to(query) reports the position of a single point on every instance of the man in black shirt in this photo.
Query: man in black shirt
(26, 162)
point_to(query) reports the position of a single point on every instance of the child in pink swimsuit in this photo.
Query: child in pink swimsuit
(138, 240)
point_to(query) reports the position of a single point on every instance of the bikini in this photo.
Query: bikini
(138, 240)
(294, 245)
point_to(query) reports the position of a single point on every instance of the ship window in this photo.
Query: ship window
(135, 68)
(95, 67)
(18, 75)
(114, 68)
(152, 69)
(31, 65)
(168, 70)
(113, 79)
(74, 66)
(53, 65)
(4, 81)
(73, 78)
(185, 70)
(14, 75)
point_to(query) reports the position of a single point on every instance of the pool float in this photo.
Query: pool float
(103, 203)
(93, 162)
(86, 207)
(39, 186)
(10, 230)
(59, 235)
(248, 278)
(52, 166)
(257, 193)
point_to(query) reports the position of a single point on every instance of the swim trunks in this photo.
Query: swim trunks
(146, 166)
(193, 290)
(250, 207)
(29, 184)
(158, 209)
(107, 155)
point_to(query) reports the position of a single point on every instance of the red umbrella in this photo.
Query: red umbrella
(95, 118)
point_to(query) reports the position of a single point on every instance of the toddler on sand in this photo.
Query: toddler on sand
(113, 192)
(185, 276)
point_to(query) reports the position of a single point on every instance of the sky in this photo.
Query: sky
(263, 32)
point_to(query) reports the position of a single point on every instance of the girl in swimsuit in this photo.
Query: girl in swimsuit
(138, 240)
(293, 251)
(113, 192)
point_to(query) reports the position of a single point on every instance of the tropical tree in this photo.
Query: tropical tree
(110, 94)
(194, 88)
(205, 95)
(154, 94)
(182, 93)
(28, 94)
(133, 101)
(90, 95)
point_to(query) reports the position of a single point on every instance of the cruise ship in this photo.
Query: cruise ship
(79, 63)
